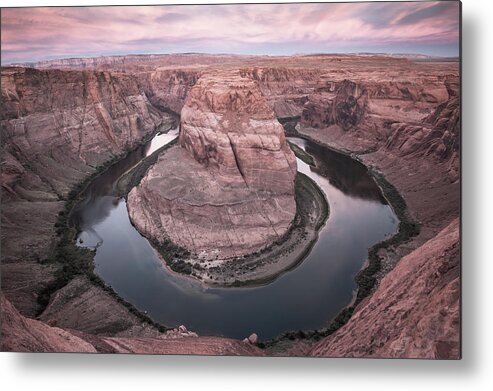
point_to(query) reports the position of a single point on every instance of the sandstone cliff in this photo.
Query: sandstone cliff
(346, 108)
(167, 89)
(410, 132)
(93, 115)
(437, 137)
(228, 190)
(286, 89)
(361, 109)
(228, 126)
(56, 128)
(358, 116)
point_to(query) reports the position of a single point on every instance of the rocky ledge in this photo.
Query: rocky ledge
(227, 190)
(21, 334)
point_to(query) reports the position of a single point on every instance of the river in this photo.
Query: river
(304, 298)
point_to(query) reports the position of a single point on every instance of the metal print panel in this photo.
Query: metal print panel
(241, 179)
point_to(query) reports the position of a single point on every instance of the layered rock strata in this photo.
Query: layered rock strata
(228, 189)
(166, 88)
(286, 89)
(228, 127)
(57, 128)
(345, 108)
(411, 135)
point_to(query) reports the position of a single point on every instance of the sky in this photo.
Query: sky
(33, 34)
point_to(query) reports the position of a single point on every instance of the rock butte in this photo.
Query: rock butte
(228, 189)
(404, 120)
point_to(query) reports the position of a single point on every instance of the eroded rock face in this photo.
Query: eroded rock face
(167, 89)
(91, 114)
(286, 89)
(228, 189)
(438, 137)
(349, 104)
(345, 108)
(56, 128)
(20, 334)
(416, 117)
(85, 307)
(227, 126)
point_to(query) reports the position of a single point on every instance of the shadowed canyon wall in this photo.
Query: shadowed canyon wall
(57, 127)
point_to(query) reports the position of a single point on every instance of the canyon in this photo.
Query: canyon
(62, 121)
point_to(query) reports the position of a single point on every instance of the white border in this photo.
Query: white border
(474, 372)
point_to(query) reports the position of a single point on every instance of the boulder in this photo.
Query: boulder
(253, 339)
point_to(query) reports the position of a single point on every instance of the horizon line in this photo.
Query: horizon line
(404, 54)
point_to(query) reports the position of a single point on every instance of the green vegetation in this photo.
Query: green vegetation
(301, 154)
(306, 190)
(305, 185)
(173, 255)
(366, 278)
(407, 230)
(134, 176)
(289, 124)
(74, 261)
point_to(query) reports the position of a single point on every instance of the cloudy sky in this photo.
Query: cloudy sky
(30, 34)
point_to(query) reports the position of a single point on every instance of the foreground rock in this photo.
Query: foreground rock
(228, 189)
(88, 308)
(21, 334)
(414, 313)
(21, 280)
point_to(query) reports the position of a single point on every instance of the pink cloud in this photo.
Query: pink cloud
(39, 33)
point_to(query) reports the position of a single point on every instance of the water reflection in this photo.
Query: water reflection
(306, 297)
(99, 201)
(343, 172)
(161, 140)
